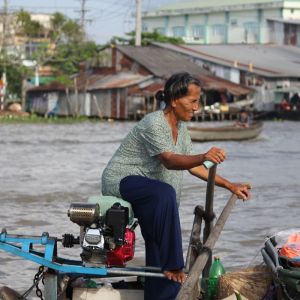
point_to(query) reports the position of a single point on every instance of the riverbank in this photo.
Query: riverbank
(25, 117)
(10, 114)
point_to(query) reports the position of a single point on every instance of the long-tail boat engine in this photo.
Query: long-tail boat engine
(105, 240)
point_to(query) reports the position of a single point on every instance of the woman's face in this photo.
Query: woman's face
(185, 107)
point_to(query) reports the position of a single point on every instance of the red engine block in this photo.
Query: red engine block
(119, 256)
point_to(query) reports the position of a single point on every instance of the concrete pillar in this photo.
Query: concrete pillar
(206, 38)
(186, 26)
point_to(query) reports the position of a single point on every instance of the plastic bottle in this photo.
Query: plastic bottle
(91, 283)
(216, 270)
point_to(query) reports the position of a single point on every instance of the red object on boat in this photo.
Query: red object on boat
(119, 256)
(291, 249)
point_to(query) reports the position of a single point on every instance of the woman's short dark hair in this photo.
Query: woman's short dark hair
(176, 87)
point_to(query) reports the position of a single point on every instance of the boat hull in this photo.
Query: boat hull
(225, 133)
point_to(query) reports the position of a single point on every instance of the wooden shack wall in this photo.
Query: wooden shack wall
(110, 103)
(101, 103)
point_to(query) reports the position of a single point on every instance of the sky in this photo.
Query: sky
(105, 18)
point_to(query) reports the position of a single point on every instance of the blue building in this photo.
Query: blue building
(225, 21)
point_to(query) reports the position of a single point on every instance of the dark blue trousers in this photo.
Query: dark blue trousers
(154, 204)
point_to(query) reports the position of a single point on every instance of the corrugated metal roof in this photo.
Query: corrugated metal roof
(266, 60)
(212, 4)
(222, 85)
(160, 62)
(85, 80)
(154, 87)
(149, 88)
(163, 63)
(119, 80)
(89, 77)
(215, 3)
(286, 21)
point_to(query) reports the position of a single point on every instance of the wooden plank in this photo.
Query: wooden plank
(195, 240)
(209, 215)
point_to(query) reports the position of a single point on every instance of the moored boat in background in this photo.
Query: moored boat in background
(225, 133)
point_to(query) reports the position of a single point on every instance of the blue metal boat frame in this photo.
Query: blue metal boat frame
(22, 246)
(9, 243)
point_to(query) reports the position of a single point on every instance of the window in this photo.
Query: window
(144, 27)
(251, 30)
(233, 22)
(218, 30)
(252, 27)
(178, 31)
(198, 31)
(160, 30)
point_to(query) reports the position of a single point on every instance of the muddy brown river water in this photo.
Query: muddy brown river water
(43, 168)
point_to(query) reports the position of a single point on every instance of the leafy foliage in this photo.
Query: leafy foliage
(28, 27)
(67, 57)
(14, 75)
(65, 30)
(63, 47)
(147, 38)
(70, 46)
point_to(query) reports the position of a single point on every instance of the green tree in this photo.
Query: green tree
(28, 27)
(71, 47)
(147, 38)
(57, 21)
(68, 46)
(68, 56)
(16, 73)
(64, 30)
(64, 50)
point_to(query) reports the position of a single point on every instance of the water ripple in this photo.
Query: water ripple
(44, 168)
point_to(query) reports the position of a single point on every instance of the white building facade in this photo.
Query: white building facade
(221, 21)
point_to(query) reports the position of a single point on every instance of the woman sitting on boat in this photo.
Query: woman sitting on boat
(146, 171)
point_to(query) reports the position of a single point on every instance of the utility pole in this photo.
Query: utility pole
(3, 55)
(138, 23)
(82, 14)
(82, 19)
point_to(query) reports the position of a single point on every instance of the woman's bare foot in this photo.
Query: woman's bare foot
(176, 275)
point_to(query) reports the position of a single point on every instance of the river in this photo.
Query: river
(45, 167)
